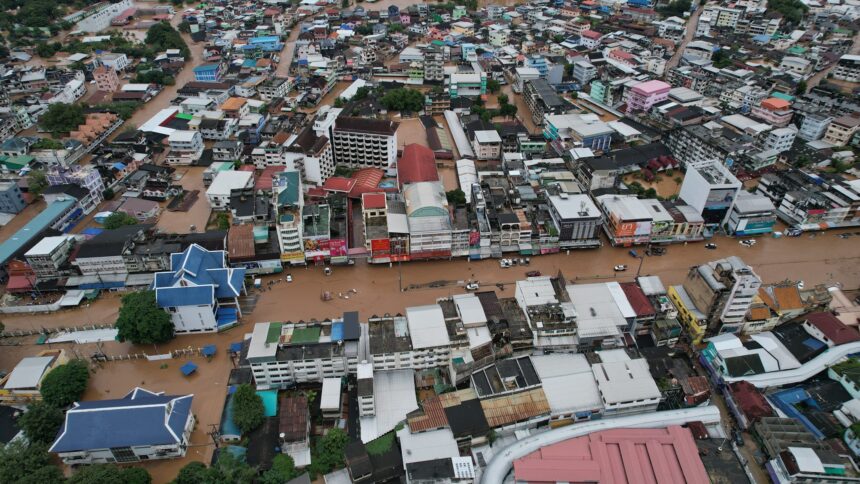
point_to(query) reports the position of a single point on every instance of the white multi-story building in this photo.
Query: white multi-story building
(117, 60)
(288, 202)
(498, 35)
(722, 16)
(710, 188)
(780, 139)
(364, 142)
(46, 257)
(97, 17)
(225, 182)
(487, 145)
(848, 68)
(814, 126)
(625, 385)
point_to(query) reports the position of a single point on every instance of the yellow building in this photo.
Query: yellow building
(690, 317)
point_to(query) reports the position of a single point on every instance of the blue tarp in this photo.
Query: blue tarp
(208, 350)
(188, 368)
(92, 231)
(236, 347)
(337, 331)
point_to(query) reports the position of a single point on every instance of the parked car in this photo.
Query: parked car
(794, 232)
(739, 438)
(800, 285)
(289, 278)
(747, 242)
(533, 274)
(504, 263)
(633, 253)
(620, 268)
(472, 286)
(711, 246)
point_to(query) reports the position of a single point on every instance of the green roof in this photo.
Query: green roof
(274, 334)
(184, 116)
(782, 95)
(305, 335)
(290, 181)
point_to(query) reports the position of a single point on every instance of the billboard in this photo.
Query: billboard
(337, 248)
(721, 198)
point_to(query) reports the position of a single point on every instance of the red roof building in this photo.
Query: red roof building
(366, 180)
(749, 402)
(638, 301)
(417, 164)
(373, 201)
(617, 456)
(828, 328)
(339, 184)
(264, 181)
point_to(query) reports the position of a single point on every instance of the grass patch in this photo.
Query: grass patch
(381, 445)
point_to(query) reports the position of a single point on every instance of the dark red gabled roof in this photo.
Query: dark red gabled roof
(750, 400)
(833, 328)
(638, 300)
(417, 164)
(339, 184)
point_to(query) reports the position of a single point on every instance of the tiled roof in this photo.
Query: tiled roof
(240, 241)
(430, 417)
(418, 164)
(833, 328)
(293, 416)
(638, 300)
(508, 409)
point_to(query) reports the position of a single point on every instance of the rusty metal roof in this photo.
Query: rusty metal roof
(508, 409)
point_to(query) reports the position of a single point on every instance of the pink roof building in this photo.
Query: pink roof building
(646, 94)
(619, 456)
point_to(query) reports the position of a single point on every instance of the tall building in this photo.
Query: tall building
(289, 201)
(434, 61)
(710, 188)
(646, 94)
(723, 291)
(364, 142)
(542, 99)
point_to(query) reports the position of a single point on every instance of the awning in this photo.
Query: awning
(208, 350)
(72, 298)
(188, 368)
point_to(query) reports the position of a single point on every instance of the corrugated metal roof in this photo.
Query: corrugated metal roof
(509, 409)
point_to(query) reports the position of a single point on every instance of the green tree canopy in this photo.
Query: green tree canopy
(141, 321)
(37, 182)
(403, 99)
(118, 219)
(676, 8)
(28, 464)
(456, 197)
(193, 473)
(248, 409)
(328, 453)
(41, 422)
(493, 86)
(110, 474)
(792, 10)
(65, 384)
(62, 118)
(283, 469)
(163, 36)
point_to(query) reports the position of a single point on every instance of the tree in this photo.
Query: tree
(184, 27)
(231, 469)
(792, 10)
(37, 182)
(344, 4)
(503, 99)
(41, 422)
(493, 86)
(193, 473)
(248, 410)
(65, 384)
(456, 197)
(108, 194)
(328, 453)
(110, 474)
(403, 99)
(338, 103)
(676, 8)
(650, 193)
(62, 118)
(394, 28)
(223, 221)
(141, 321)
(801, 88)
(31, 464)
(119, 219)
(283, 469)
(508, 110)
(163, 36)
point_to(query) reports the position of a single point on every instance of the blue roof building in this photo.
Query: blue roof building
(208, 73)
(142, 425)
(264, 43)
(200, 291)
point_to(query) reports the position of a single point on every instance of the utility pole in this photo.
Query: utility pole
(215, 434)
